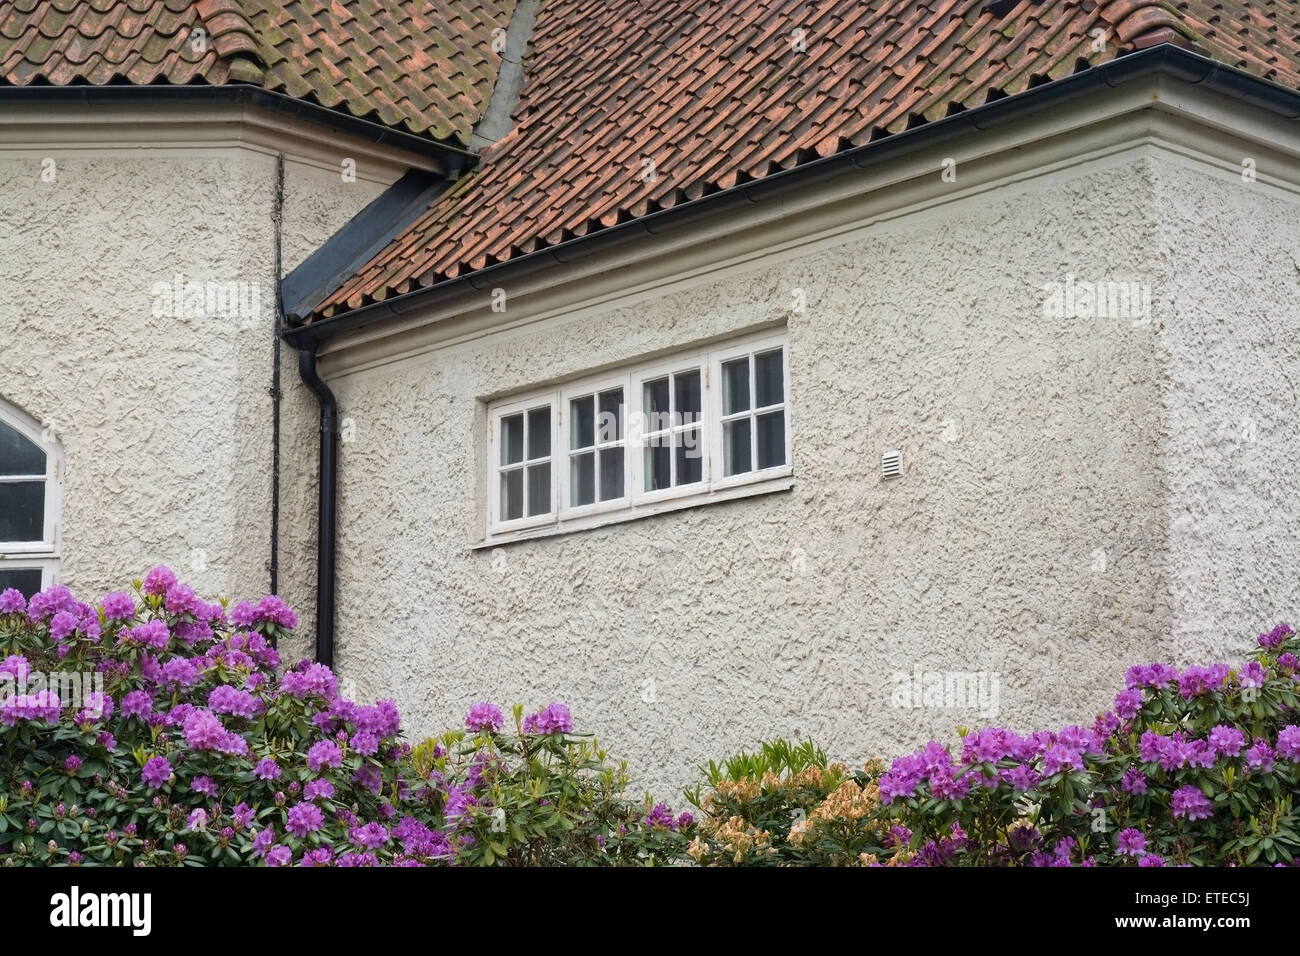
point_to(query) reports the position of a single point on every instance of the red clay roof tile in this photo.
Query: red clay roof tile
(714, 92)
(426, 67)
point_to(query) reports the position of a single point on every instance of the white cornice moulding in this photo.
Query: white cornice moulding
(106, 129)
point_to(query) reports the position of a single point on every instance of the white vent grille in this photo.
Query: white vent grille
(891, 465)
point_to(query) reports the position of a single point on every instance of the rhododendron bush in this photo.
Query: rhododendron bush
(155, 729)
(1195, 767)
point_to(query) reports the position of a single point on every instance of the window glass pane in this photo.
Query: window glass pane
(26, 580)
(769, 379)
(656, 405)
(18, 456)
(610, 424)
(771, 439)
(735, 386)
(582, 422)
(539, 486)
(687, 387)
(690, 463)
(512, 495)
(539, 433)
(582, 479)
(656, 464)
(512, 439)
(22, 511)
(735, 447)
(611, 474)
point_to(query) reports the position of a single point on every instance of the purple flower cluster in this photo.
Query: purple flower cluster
(1276, 637)
(483, 717)
(224, 699)
(553, 719)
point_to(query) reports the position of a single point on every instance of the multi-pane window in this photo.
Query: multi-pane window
(29, 500)
(631, 440)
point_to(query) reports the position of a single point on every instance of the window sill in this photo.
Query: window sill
(783, 482)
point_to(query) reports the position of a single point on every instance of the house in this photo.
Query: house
(726, 370)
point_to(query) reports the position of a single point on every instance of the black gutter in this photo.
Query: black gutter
(1164, 59)
(327, 504)
(452, 160)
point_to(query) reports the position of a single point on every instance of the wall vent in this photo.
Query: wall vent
(891, 465)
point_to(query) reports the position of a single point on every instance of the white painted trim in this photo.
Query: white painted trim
(1113, 129)
(49, 567)
(497, 524)
(636, 512)
(112, 128)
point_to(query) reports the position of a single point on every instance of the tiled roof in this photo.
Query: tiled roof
(428, 67)
(715, 92)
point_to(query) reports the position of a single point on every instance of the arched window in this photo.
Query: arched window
(30, 479)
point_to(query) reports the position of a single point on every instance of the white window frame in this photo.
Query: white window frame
(716, 453)
(684, 363)
(636, 501)
(496, 523)
(580, 390)
(42, 554)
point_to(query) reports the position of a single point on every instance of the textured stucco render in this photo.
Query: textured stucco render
(165, 421)
(1032, 535)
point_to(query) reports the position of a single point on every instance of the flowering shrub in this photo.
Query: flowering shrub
(187, 744)
(785, 806)
(1195, 767)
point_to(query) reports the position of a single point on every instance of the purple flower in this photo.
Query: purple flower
(358, 859)
(1189, 802)
(1197, 681)
(321, 856)
(369, 837)
(198, 820)
(62, 624)
(1288, 662)
(1260, 755)
(1135, 781)
(204, 785)
(483, 717)
(1288, 743)
(225, 699)
(1127, 703)
(279, 856)
(318, 789)
(242, 815)
(1058, 757)
(149, 634)
(118, 606)
(312, 679)
(1150, 859)
(364, 743)
(72, 764)
(159, 580)
(304, 818)
(554, 719)
(1131, 842)
(1276, 637)
(12, 601)
(324, 753)
(204, 731)
(156, 772)
(1252, 674)
(180, 671)
(1226, 741)
(660, 817)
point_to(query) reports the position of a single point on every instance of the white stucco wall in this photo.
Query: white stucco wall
(165, 421)
(1230, 253)
(1036, 544)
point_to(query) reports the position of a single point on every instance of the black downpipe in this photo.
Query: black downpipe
(326, 514)
(277, 216)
